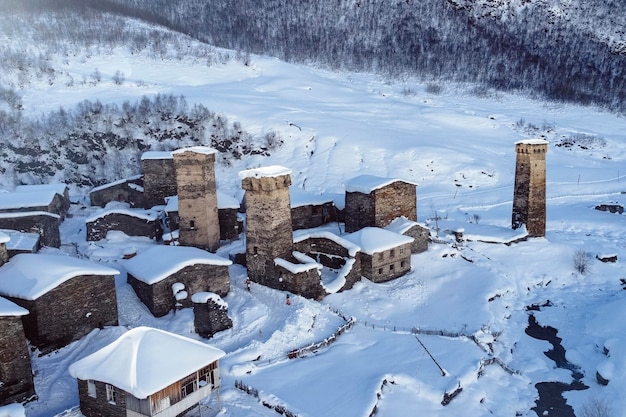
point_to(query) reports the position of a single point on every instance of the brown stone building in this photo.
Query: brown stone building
(373, 201)
(419, 233)
(310, 210)
(20, 242)
(128, 190)
(268, 223)
(164, 276)
(15, 368)
(66, 297)
(146, 372)
(210, 314)
(159, 177)
(133, 222)
(60, 202)
(529, 194)
(43, 223)
(385, 255)
(197, 197)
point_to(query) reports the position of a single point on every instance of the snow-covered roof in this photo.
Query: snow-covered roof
(29, 276)
(196, 149)
(21, 240)
(10, 309)
(57, 187)
(296, 268)
(532, 142)
(374, 239)
(4, 238)
(114, 183)
(156, 155)
(300, 198)
(367, 183)
(26, 199)
(139, 213)
(144, 360)
(303, 234)
(400, 225)
(268, 171)
(224, 201)
(11, 215)
(159, 262)
(204, 297)
(12, 410)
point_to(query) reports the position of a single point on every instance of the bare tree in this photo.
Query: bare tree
(581, 261)
(596, 407)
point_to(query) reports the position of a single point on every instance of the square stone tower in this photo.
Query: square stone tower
(529, 194)
(197, 197)
(268, 221)
(159, 177)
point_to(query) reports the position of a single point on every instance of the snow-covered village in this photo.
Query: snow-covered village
(319, 243)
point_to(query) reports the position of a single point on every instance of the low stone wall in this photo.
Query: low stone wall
(131, 225)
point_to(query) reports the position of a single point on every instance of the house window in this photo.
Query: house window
(255, 250)
(91, 388)
(192, 224)
(392, 253)
(380, 271)
(188, 385)
(111, 394)
(391, 268)
(402, 264)
(401, 251)
(206, 375)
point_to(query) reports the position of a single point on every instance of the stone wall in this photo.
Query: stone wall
(210, 318)
(159, 181)
(197, 200)
(15, 366)
(229, 226)
(309, 216)
(159, 297)
(70, 311)
(131, 225)
(381, 206)
(307, 284)
(46, 226)
(421, 238)
(129, 191)
(4, 254)
(268, 226)
(99, 406)
(529, 195)
(387, 265)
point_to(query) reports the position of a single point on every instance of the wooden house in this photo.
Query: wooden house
(146, 372)
(373, 201)
(133, 222)
(164, 276)
(129, 190)
(385, 255)
(15, 368)
(66, 297)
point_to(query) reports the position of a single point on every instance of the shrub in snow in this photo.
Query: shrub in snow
(581, 261)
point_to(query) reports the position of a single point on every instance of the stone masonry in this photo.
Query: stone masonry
(529, 195)
(15, 366)
(159, 177)
(197, 198)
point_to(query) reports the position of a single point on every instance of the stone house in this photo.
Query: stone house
(133, 222)
(164, 276)
(159, 177)
(20, 242)
(34, 200)
(310, 210)
(128, 190)
(300, 274)
(385, 255)
(15, 368)
(147, 372)
(373, 201)
(60, 202)
(419, 233)
(66, 297)
(43, 223)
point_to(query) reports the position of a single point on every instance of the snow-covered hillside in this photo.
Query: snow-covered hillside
(459, 148)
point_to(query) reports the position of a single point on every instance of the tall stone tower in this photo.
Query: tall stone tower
(197, 197)
(159, 177)
(268, 222)
(529, 194)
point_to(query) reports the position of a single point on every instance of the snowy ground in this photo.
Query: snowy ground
(460, 149)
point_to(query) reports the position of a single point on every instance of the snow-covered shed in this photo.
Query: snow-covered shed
(66, 297)
(16, 375)
(128, 190)
(159, 177)
(60, 202)
(309, 210)
(146, 372)
(33, 212)
(164, 276)
(419, 233)
(118, 216)
(373, 201)
(21, 242)
(385, 255)
(35, 198)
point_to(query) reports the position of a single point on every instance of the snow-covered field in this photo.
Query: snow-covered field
(460, 150)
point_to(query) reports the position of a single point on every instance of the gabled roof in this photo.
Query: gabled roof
(26, 199)
(367, 183)
(29, 275)
(144, 360)
(374, 240)
(57, 187)
(10, 309)
(159, 262)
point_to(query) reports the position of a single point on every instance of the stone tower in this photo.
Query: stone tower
(159, 177)
(197, 197)
(268, 222)
(529, 194)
